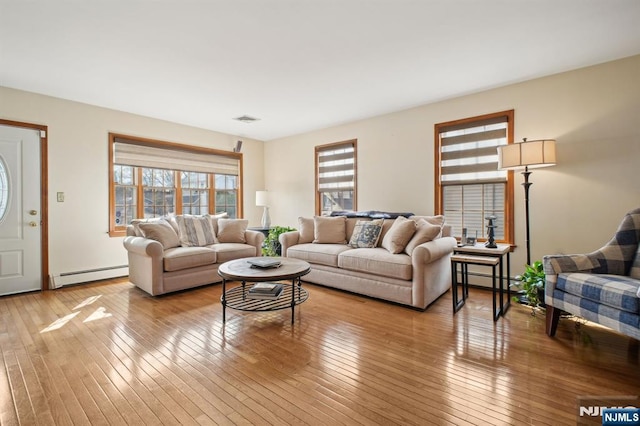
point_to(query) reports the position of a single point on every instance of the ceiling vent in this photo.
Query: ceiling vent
(247, 119)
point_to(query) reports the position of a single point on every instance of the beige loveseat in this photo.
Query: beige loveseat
(408, 263)
(180, 252)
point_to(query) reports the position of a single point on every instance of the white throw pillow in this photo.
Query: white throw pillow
(425, 232)
(329, 230)
(161, 231)
(399, 235)
(232, 230)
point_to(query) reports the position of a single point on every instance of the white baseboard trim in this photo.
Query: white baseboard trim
(78, 277)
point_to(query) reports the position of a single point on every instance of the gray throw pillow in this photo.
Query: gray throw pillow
(366, 233)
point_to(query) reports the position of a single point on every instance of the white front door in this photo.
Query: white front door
(20, 216)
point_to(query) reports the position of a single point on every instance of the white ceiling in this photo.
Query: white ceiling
(298, 65)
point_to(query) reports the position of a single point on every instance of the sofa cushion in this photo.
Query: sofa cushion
(232, 230)
(366, 233)
(322, 254)
(214, 220)
(425, 232)
(232, 251)
(399, 235)
(305, 226)
(329, 230)
(617, 291)
(161, 231)
(178, 258)
(195, 231)
(136, 224)
(377, 261)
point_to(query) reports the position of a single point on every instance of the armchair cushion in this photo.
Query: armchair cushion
(616, 291)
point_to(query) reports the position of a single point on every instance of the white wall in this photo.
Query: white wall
(78, 166)
(593, 113)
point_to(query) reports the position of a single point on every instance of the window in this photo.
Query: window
(4, 190)
(336, 177)
(153, 178)
(469, 186)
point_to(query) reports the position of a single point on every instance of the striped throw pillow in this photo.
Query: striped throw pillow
(195, 231)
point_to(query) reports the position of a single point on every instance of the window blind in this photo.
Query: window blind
(133, 153)
(336, 168)
(469, 152)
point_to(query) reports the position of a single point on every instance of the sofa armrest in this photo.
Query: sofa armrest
(431, 270)
(288, 239)
(433, 250)
(145, 264)
(143, 246)
(255, 238)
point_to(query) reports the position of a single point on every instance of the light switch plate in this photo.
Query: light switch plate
(60, 197)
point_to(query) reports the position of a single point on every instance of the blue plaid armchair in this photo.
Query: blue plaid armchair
(603, 286)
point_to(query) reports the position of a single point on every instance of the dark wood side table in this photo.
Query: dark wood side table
(478, 254)
(264, 231)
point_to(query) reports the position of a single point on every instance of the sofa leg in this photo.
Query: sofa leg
(553, 316)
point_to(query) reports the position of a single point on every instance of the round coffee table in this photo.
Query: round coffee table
(241, 270)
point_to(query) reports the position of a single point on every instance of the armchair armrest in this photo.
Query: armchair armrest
(564, 263)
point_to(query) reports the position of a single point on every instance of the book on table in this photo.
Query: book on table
(265, 291)
(265, 263)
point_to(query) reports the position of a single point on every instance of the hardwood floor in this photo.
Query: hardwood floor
(107, 353)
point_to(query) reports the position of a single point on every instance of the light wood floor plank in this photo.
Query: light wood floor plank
(107, 353)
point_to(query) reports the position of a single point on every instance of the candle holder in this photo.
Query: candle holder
(491, 242)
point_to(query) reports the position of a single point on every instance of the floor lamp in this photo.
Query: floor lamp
(527, 155)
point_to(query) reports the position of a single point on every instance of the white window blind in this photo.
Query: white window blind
(336, 168)
(470, 153)
(133, 153)
(472, 186)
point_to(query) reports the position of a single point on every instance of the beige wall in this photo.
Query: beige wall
(78, 166)
(575, 206)
(593, 114)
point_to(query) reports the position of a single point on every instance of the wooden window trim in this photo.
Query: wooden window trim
(509, 195)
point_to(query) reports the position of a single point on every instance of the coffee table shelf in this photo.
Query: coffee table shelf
(236, 298)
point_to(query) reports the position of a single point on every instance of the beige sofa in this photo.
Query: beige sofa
(163, 259)
(411, 267)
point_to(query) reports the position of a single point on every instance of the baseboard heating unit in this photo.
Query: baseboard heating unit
(68, 278)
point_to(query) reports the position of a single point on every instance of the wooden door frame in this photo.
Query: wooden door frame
(44, 197)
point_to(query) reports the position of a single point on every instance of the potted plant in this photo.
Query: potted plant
(531, 282)
(271, 245)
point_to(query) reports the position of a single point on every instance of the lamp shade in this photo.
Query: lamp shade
(261, 198)
(530, 154)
